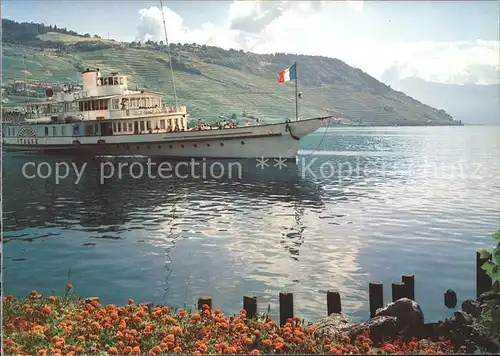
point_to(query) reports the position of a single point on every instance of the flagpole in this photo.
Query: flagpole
(296, 95)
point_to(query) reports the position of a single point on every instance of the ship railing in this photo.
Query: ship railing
(145, 111)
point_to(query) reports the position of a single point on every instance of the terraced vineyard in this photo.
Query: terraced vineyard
(214, 82)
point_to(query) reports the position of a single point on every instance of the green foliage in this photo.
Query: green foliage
(492, 265)
(489, 321)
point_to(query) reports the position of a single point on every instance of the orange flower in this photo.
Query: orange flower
(196, 317)
(155, 350)
(112, 350)
(52, 299)
(177, 330)
(178, 349)
(254, 352)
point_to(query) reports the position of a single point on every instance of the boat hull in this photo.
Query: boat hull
(270, 141)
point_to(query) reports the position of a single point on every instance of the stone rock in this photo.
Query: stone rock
(491, 297)
(91, 299)
(472, 308)
(465, 333)
(380, 329)
(410, 319)
(334, 325)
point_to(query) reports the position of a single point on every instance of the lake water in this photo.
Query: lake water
(399, 200)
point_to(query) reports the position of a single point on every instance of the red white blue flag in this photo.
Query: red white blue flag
(288, 74)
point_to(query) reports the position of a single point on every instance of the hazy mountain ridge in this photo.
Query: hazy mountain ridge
(212, 81)
(470, 103)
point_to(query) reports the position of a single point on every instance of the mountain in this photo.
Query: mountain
(470, 103)
(211, 81)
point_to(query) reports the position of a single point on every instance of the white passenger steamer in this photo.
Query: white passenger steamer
(104, 117)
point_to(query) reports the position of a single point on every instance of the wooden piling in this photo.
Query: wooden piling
(483, 281)
(398, 291)
(250, 306)
(376, 295)
(333, 303)
(286, 307)
(450, 298)
(204, 300)
(409, 282)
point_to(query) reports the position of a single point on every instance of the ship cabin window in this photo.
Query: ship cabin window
(169, 122)
(119, 126)
(130, 127)
(46, 131)
(162, 124)
(90, 105)
(148, 125)
(116, 104)
(121, 80)
(114, 126)
(143, 101)
(53, 131)
(62, 131)
(142, 126)
(96, 128)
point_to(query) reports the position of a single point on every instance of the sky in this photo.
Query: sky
(442, 41)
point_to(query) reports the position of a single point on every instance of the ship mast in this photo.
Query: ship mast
(169, 55)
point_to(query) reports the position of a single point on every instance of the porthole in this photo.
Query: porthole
(222, 143)
(195, 145)
(208, 145)
(159, 147)
(170, 146)
(137, 148)
(242, 142)
(182, 146)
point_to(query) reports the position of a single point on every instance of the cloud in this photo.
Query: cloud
(356, 5)
(333, 29)
(444, 62)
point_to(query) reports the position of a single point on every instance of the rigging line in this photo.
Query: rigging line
(169, 54)
(319, 143)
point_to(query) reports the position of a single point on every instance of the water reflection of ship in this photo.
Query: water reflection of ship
(110, 208)
(167, 209)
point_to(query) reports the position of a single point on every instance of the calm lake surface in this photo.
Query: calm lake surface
(399, 200)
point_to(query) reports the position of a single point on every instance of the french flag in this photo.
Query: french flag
(288, 74)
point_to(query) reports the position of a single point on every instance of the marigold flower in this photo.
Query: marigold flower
(196, 317)
(255, 352)
(177, 330)
(178, 349)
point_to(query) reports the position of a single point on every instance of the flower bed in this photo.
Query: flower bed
(68, 326)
